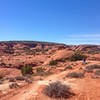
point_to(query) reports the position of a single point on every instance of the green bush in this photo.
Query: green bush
(77, 56)
(75, 75)
(53, 62)
(57, 90)
(27, 70)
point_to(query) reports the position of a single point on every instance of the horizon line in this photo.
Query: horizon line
(47, 42)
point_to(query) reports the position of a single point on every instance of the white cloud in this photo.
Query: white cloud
(90, 35)
(84, 35)
(82, 39)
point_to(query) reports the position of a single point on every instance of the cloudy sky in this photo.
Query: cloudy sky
(62, 21)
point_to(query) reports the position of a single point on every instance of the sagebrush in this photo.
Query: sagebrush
(92, 67)
(57, 90)
(75, 75)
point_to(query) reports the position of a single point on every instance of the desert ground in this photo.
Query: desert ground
(50, 62)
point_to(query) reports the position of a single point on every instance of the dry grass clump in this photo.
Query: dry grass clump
(97, 72)
(42, 72)
(68, 67)
(20, 78)
(57, 90)
(92, 67)
(11, 79)
(75, 75)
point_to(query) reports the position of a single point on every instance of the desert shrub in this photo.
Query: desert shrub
(94, 51)
(89, 71)
(68, 67)
(13, 85)
(39, 70)
(1, 77)
(28, 80)
(77, 56)
(9, 64)
(42, 73)
(91, 52)
(27, 70)
(75, 75)
(92, 67)
(57, 90)
(97, 72)
(11, 79)
(45, 73)
(20, 78)
(53, 62)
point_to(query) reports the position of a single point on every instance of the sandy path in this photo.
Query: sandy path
(31, 90)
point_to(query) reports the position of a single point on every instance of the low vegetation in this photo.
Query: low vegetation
(68, 67)
(1, 77)
(20, 78)
(93, 51)
(11, 79)
(27, 70)
(38, 70)
(92, 67)
(13, 85)
(41, 72)
(75, 75)
(57, 90)
(77, 56)
(97, 72)
(53, 62)
(28, 80)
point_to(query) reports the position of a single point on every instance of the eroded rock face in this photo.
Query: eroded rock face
(85, 47)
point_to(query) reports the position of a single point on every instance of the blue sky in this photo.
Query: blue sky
(62, 21)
